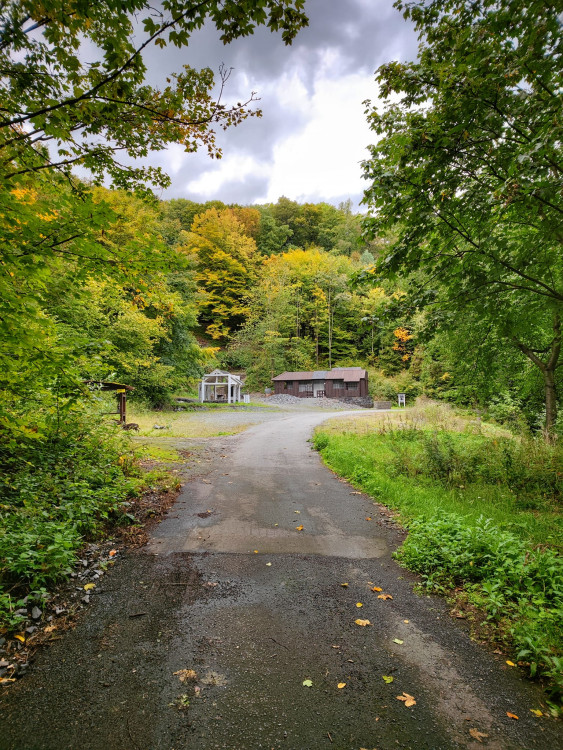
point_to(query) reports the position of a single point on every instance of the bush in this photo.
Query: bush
(59, 486)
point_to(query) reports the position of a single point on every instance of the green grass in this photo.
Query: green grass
(483, 513)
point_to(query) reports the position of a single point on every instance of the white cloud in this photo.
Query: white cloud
(232, 168)
(323, 160)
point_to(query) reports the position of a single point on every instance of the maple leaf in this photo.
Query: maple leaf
(384, 596)
(186, 675)
(407, 699)
(477, 735)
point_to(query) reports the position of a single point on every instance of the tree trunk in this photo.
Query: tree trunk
(548, 368)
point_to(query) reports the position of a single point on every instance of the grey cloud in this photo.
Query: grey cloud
(363, 34)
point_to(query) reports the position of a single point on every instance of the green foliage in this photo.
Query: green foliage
(468, 158)
(58, 488)
(50, 90)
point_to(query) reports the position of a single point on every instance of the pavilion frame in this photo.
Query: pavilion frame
(220, 387)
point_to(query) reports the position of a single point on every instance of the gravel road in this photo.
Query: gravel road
(204, 639)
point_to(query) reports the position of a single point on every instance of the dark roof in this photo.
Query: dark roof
(294, 376)
(348, 374)
(105, 385)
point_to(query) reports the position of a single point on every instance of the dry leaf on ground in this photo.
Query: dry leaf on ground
(362, 623)
(359, 604)
(299, 528)
(511, 716)
(341, 685)
(384, 596)
(344, 585)
(186, 675)
(510, 663)
(407, 699)
(377, 588)
(89, 586)
(387, 679)
(536, 712)
(308, 683)
(477, 735)
(398, 640)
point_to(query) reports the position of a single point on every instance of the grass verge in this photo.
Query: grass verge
(483, 512)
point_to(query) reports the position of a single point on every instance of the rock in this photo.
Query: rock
(36, 613)
(22, 611)
(31, 629)
(85, 599)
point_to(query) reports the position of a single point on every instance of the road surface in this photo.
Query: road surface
(204, 639)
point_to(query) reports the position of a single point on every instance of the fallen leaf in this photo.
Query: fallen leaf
(255, 551)
(398, 640)
(20, 638)
(477, 735)
(406, 621)
(368, 518)
(297, 511)
(359, 604)
(510, 663)
(308, 683)
(276, 524)
(268, 565)
(186, 675)
(299, 528)
(344, 585)
(384, 596)
(341, 685)
(50, 628)
(536, 712)
(335, 646)
(407, 699)
(362, 623)
(377, 588)
(356, 493)
(112, 552)
(6, 680)
(89, 586)
(511, 716)
(387, 679)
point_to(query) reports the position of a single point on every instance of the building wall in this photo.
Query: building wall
(358, 390)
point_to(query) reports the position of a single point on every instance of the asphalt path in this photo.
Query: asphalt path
(204, 638)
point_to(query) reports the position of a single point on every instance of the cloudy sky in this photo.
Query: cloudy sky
(313, 134)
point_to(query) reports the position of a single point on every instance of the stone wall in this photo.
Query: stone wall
(365, 401)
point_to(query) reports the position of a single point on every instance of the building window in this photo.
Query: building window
(305, 387)
(338, 385)
(351, 386)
